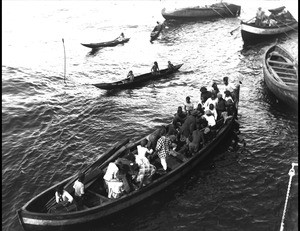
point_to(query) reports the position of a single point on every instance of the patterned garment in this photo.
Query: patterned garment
(145, 171)
(163, 147)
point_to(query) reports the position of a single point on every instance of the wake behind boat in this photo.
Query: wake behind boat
(111, 43)
(278, 23)
(138, 80)
(42, 212)
(218, 10)
(281, 74)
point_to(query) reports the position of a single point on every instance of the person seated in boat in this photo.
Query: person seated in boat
(170, 66)
(145, 172)
(205, 94)
(155, 69)
(188, 105)
(272, 22)
(214, 88)
(200, 109)
(121, 37)
(179, 117)
(212, 100)
(62, 195)
(228, 86)
(188, 126)
(264, 19)
(130, 76)
(220, 106)
(213, 110)
(115, 185)
(157, 27)
(209, 118)
(79, 189)
(197, 140)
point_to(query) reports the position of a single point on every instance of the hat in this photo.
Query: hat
(203, 89)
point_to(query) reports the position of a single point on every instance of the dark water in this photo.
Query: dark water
(50, 130)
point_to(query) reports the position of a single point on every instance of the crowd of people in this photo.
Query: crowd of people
(192, 127)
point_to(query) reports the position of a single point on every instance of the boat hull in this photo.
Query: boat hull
(69, 221)
(287, 94)
(138, 80)
(253, 34)
(105, 44)
(223, 11)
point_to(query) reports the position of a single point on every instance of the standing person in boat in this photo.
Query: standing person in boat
(121, 37)
(155, 69)
(115, 186)
(258, 18)
(179, 117)
(205, 94)
(228, 87)
(197, 140)
(79, 189)
(130, 76)
(157, 27)
(170, 66)
(188, 105)
(62, 195)
(163, 148)
(142, 152)
(220, 107)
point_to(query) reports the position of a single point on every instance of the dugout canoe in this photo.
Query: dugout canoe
(281, 74)
(218, 10)
(156, 32)
(34, 214)
(284, 23)
(105, 44)
(138, 80)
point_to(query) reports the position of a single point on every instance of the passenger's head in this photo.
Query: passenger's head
(227, 93)
(169, 62)
(155, 63)
(219, 95)
(59, 189)
(143, 142)
(179, 110)
(213, 95)
(211, 107)
(259, 8)
(122, 34)
(203, 89)
(214, 85)
(81, 177)
(225, 80)
(188, 99)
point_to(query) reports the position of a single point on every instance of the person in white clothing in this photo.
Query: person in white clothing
(188, 105)
(209, 118)
(212, 100)
(62, 195)
(79, 189)
(142, 151)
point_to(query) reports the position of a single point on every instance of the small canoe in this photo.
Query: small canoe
(282, 24)
(281, 75)
(36, 215)
(218, 10)
(156, 32)
(138, 80)
(105, 44)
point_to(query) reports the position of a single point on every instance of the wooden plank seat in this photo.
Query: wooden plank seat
(289, 79)
(285, 73)
(283, 68)
(102, 198)
(281, 63)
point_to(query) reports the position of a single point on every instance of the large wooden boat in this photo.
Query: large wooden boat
(218, 10)
(283, 23)
(138, 80)
(34, 215)
(111, 43)
(281, 75)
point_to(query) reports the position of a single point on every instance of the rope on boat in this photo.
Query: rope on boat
(291, 174)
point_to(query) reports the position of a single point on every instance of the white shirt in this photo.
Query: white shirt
(210, 101)
(210, 119)
(111, 172)
(79, 188)
(65, 196)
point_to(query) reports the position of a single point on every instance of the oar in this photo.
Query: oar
(227, 8)
(231, 32)
(65, 61)
(285, 24)
(217, 12)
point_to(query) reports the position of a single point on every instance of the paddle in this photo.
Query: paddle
(64, 60)
(285, 24)
(217, 12)
(231, 32)
(227, 8)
